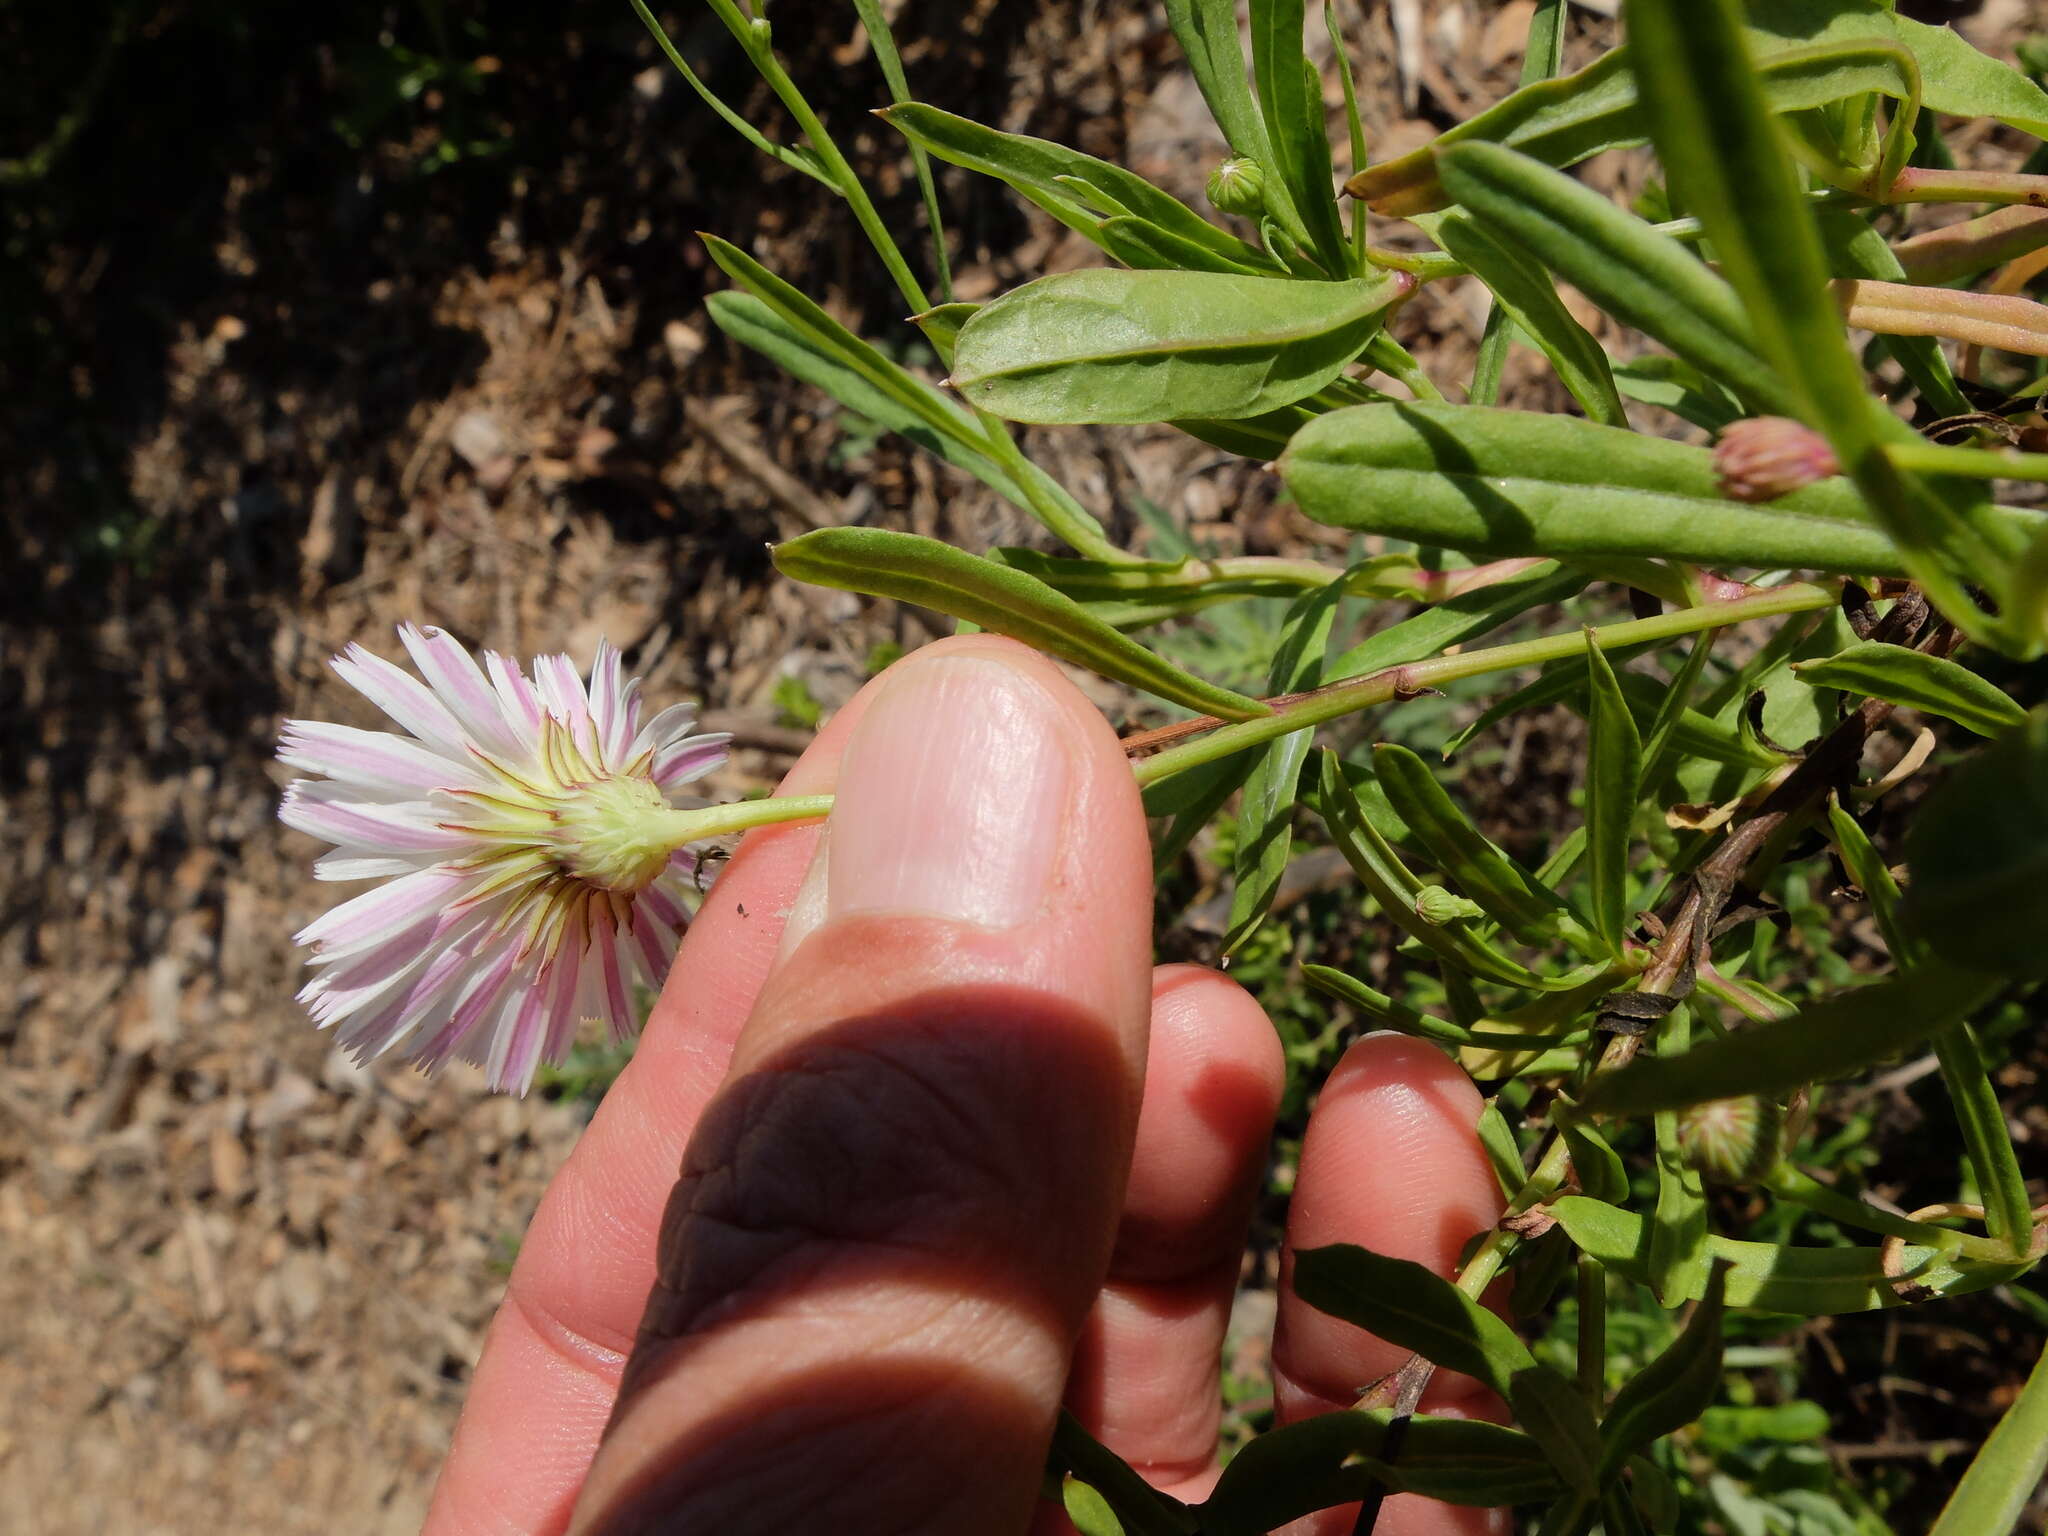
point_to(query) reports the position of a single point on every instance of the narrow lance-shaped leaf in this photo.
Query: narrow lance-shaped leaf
(1859, 251)
(1525, 292)
(2005, 1475)
(1055, 171)
(1334, 1458)
(1614, 762)
(918, 570)
(1139, 347)
(1598, 1165)
(1843, 1034)
(1207, 33)
(883, 41)
(1901, 675)
(1727, 159)
(1291, 102)
(1043, 497)
(1779, 1277)
(1458, 619)
(1678, 387)
(1564, 121)
(1675, 1388)
(1395, 887)
(1497, 1140)
(1642, 278)
(1266, 819)
(1413, 1308)
(1480, 869)
(1497, 482)
(1874, 879)
(751, 323)
(1559, 1419)
(1678, 1223)
(1385, 1012)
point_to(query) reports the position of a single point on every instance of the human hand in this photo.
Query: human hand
(935, 1179)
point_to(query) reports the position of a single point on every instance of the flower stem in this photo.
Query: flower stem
(723, 820)
(1348, 697)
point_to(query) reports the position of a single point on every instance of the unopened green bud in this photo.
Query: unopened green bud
(1437, 906)
(1238, 187)
(1733, 1141)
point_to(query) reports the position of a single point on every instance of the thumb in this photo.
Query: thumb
(892, 1220)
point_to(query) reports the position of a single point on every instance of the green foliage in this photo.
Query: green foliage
(1684, 936)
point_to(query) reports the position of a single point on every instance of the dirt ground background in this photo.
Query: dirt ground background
(320, 319)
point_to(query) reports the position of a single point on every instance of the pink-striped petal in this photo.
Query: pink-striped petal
(390, 907)
(689, 759)
(334, 812)
(515, 695)
(401, 696)
(461, 685)
(377, 761)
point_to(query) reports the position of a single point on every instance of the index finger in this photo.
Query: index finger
(550, 1367)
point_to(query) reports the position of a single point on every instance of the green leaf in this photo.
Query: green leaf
(752, 323)
(1498, 482)
(1978, 852)
(1679, 388)
(1266, 816)
(1779, 1277)
(1192, 799)
(1336, 1458)
(1551, 1408)
(1873, 878)
(833, 343)
(795, 157)
(1675, 1388)
(1413, 1308)
(1525, 291)
(1458, 619)
(1207, 33)
(1901, 675)
(918, 570)
(1139, 347)
(941, 325)
(1678, 1225)
(1395, 888)
(1966, 83)
(1561, 122)
(1082, 184)
(1136, 243)
(1858, 250)
(1598, 1166)
(1464, 853)
(1291, 103)
(1844, 1034)
(1730, 164)
(2006, 1473)
(883, 41)
(1385, 1012)
(1614, 765)
(1497, 1140)
(1089, 1510)
(1642, 278)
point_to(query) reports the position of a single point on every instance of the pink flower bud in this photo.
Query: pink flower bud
(1765, 457)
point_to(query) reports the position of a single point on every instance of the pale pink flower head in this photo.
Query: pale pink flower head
(524, 831)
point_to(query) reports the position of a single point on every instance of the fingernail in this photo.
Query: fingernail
(952, 796)
(807, 911)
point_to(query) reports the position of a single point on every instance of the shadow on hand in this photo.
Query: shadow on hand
(872, 1272)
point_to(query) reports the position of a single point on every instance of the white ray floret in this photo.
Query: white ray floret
(526, 833)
